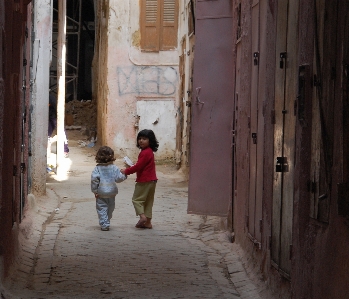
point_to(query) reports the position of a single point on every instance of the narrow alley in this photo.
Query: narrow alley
(249, 101)
(64, 254)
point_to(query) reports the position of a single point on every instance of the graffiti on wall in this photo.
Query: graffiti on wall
(153, 80)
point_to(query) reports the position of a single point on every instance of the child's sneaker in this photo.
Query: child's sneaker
(104, 228)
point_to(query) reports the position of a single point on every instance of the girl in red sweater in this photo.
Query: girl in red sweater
(143, 195)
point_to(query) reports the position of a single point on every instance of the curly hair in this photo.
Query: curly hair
(153, 142)
(104, 155)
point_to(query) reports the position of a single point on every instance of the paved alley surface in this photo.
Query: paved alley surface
(64, 253)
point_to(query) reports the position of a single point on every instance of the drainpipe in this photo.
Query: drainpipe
(61, 58)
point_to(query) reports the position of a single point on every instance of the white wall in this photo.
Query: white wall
(159, 116)
(40, 94)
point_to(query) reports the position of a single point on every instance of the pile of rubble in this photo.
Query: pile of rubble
(81, 113)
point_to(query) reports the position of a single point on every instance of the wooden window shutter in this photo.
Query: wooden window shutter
(150, 25)
(169, 24)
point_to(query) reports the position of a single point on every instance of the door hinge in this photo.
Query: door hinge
(22, 167)
(25, 62)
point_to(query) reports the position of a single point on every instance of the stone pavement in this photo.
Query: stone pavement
(64, 254)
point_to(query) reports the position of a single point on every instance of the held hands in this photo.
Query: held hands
(122, 171)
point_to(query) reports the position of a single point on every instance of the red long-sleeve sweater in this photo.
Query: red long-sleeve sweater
(145, 166)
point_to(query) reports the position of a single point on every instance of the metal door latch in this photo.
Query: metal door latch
(254, 138)
(281, 164)
(255, 58)
(198, 96)
(283, 56)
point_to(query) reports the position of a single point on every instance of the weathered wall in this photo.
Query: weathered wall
(12, 33)
(40, 93)
(132, 83)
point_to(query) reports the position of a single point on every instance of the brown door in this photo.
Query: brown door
(286, 74)
(323, 119)
(256, 135)
(210, 177)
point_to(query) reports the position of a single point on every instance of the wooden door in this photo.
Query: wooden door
(256, 141)
(323, 111)
(286, 74)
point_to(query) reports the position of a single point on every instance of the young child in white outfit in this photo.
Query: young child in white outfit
(103, 184)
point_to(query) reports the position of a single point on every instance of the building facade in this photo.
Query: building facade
(136, 73)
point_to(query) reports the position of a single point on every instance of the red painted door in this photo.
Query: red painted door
(210, 176)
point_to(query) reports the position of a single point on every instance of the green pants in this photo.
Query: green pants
(143, 198)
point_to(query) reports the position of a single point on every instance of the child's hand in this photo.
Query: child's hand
(122, 171)
(96, 195)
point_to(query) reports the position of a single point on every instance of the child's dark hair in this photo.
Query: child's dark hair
(153, 142)
(104, 155)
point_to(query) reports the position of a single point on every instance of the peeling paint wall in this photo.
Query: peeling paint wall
(135, 90)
